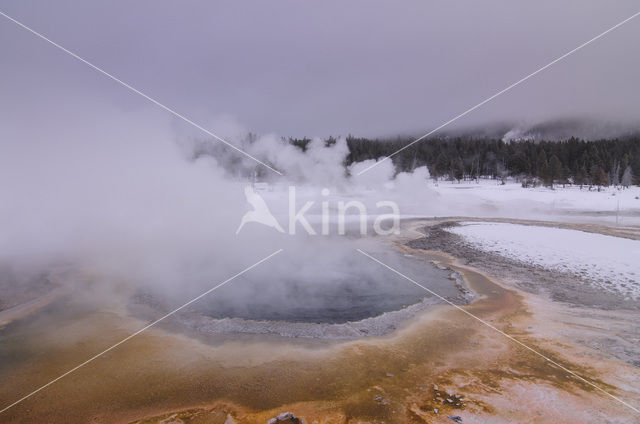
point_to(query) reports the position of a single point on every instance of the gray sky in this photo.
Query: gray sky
(332, 67)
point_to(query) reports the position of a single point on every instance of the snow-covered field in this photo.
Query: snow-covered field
(611, 263)
(568, 197)
(511, 199)
(420, 196)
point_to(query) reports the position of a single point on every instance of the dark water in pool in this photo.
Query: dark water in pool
(350, 289)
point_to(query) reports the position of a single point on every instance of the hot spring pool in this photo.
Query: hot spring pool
(341, 294)
(359, 289)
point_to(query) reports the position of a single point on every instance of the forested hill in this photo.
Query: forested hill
(602, 162)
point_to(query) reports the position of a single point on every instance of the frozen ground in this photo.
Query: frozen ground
(569, 198)
(611, 263)
(419, 196)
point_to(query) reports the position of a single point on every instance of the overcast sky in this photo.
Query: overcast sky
(319, 68)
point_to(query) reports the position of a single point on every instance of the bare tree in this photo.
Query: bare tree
(627, 177)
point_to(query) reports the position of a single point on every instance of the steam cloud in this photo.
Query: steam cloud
(141, 205)
(146, 204)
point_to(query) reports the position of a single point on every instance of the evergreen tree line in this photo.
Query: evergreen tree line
(598, 163)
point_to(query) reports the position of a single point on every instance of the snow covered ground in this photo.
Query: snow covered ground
(611, 263)
(420, 196)
(569, 197)
(512, 200)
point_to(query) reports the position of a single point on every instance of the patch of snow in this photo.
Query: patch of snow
(609, 262)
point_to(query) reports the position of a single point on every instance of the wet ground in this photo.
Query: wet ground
(598, 319)
(562, 287)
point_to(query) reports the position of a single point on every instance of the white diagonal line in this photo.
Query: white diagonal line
(488, 99)
(151, 99)
(141, 330)
(513, 339)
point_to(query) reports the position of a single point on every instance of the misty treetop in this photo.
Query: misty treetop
(601, 162)
(574, 161)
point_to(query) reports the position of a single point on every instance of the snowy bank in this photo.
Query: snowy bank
(611, 263)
